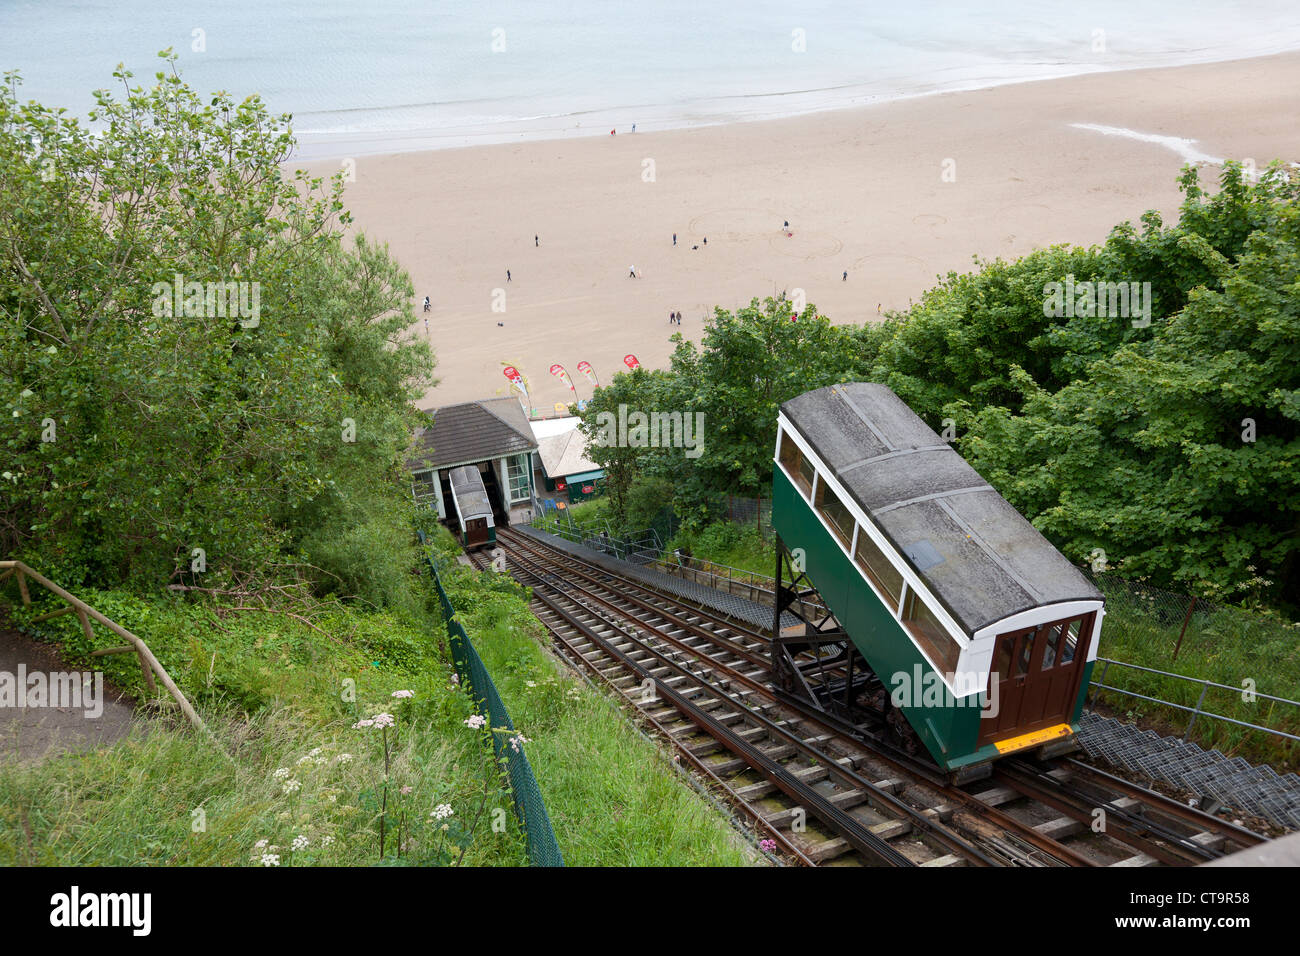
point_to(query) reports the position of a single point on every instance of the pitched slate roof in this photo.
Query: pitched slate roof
(470, 432)
(565, 454)
(977, 555)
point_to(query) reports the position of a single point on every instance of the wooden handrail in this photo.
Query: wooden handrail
(149, 664)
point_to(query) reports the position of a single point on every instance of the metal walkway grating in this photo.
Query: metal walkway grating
(752, 613)
(1233, 782)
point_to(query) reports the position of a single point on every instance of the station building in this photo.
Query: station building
(491, 435)
(565, 470)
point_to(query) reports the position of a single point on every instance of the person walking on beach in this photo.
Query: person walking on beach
(846, 276)
(706, 240)
(787, 225)
(674, 238)
(672, 317)
(426, 305)
(536, 242)
(507, 275)
(631, 272)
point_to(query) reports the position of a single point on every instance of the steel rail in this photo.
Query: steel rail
(578, 659)
(857, 835)
(1163, 803)
(848, 778)
(532, 545)
(1138, 831)
(894, 757)
(972, 804)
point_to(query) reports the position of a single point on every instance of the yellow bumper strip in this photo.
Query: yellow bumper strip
(1032, 738)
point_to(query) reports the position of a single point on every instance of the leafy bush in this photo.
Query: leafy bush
(132, 434)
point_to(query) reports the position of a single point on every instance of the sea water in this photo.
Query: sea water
(392, 75)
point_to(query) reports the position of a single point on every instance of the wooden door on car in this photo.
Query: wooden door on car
(476, 531)
(1037, 671)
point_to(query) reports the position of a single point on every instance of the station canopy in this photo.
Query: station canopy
(977, 555)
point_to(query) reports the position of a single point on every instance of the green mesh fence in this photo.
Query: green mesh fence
(527, 795)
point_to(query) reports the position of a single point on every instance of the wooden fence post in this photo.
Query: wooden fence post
(1186, 619)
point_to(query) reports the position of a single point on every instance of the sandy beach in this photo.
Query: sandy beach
(894, 194)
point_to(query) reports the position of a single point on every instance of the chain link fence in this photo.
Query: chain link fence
(1195, 656)
(530, 808)
(745, 511)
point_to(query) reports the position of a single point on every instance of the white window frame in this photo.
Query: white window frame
(524, 460)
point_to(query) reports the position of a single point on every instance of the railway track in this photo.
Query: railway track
(821, 792)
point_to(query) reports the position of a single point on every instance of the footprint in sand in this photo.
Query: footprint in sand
(736, 223)
(806, 245)
(929, 219)
(1010, 213)
(897, 267)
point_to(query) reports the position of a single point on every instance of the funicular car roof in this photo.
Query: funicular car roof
(934, 507)
(471, 496)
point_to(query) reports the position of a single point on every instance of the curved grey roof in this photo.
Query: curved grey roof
(471, 497)
(978, 556)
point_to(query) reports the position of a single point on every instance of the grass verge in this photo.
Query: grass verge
(293, 780)
(614, 797)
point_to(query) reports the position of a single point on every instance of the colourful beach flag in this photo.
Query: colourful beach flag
(517, 380)
(631, 361)
(559, 372)
(586, 369)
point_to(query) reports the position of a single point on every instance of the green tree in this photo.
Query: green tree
(747, 364)
(1177, 455)
(263, 407)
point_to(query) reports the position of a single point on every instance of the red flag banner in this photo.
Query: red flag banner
(517, 380)
(586, 369)
(558, 371)
(631, 361)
